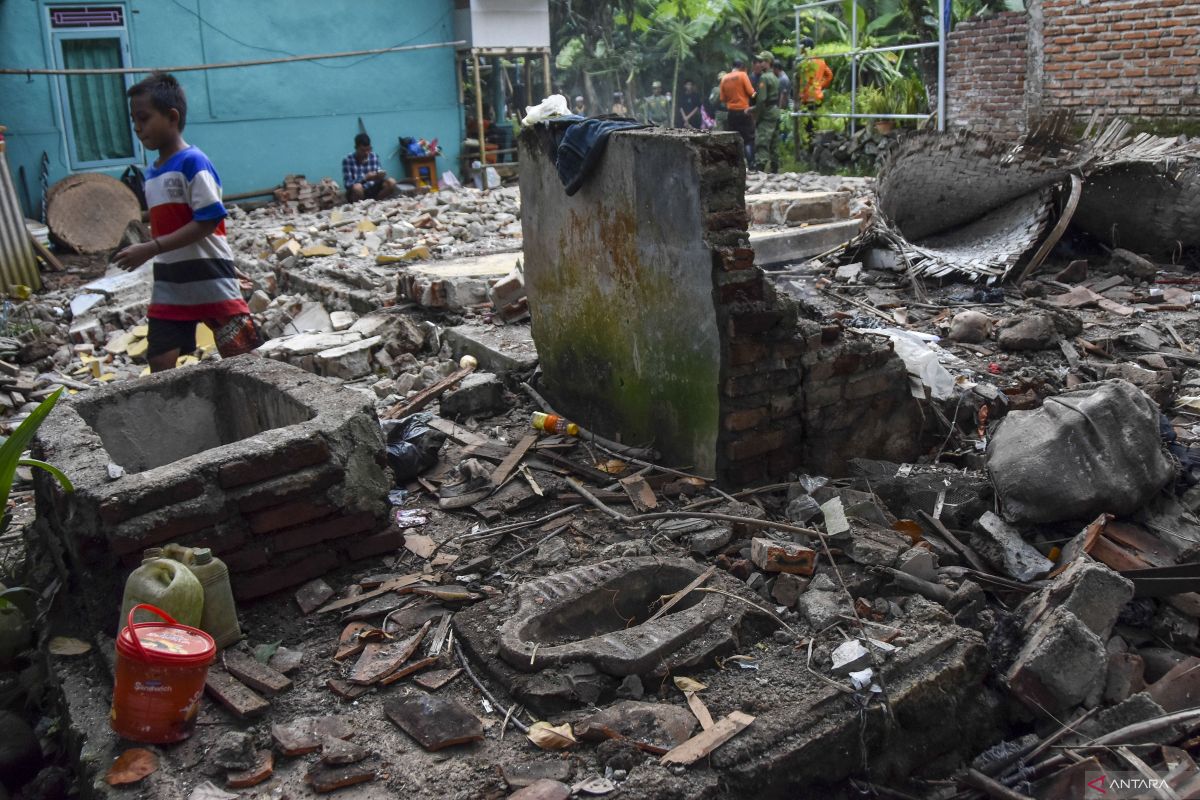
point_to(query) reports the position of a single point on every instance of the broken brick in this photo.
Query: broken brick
(256, 675)
(434, 722)
(339, 752)
(233, 694)
(305, 735)
(264, 768)
(313, 595)
(344, 690)
(772, 556)
(325, 779)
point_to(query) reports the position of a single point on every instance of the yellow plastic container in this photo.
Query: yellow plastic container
(219, 617)
(165, 584)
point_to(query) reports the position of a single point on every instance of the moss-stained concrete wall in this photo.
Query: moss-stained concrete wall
(620, 285)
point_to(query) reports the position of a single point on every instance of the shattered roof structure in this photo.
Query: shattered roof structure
(963, 202)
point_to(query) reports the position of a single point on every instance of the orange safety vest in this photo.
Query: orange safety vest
(816, 79)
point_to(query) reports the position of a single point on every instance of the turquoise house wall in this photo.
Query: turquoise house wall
(261, 123)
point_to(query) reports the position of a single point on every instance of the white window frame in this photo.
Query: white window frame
(57, 36)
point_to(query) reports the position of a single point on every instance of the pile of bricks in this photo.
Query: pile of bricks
(302, 197)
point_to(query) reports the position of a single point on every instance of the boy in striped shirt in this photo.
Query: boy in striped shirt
(194, 276)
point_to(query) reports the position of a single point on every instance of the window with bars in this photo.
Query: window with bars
(95, 108)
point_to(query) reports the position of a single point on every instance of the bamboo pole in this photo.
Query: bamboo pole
(479, 120)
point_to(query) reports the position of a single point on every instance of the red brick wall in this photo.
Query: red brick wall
(985, 73)
(1135, 58)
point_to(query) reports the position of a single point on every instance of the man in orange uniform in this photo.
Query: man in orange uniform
(814, 78)
(737, 94)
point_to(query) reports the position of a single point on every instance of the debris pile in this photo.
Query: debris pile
(301, 197)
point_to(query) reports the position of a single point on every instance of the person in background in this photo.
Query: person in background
(736, 95)
(716, 109)
(656, 109)
(766, 114)
(785, 86)
(687, 114)
(618, 108)
(814, 78)
(580, 106)
(362, 174)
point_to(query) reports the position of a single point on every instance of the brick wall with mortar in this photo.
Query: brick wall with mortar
(1136, 58)
(793, 394)
(693, 253)
(985, 73)
(280, 507)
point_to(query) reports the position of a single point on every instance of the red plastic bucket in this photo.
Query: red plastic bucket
(161, 670)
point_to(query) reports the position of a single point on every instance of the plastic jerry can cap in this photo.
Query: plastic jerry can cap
(151, 553)
(201, 555)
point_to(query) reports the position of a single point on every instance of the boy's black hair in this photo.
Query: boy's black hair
(738, 63)
(362, 140)
(165, 94)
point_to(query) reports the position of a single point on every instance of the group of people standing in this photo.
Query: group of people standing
(751, 103)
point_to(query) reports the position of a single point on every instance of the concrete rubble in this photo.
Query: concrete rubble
(804, 581)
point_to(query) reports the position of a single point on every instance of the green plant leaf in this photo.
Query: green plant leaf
(16, 444)
(62, 478)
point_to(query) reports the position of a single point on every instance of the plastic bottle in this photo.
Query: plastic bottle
(552, 423)
(165, 584)
(219, 617)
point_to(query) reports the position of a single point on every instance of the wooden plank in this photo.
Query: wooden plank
(460, 434)
(233, 694)
(45, 255)
(699, 710)
(705, 742)
(383, 588)
(514, 458)
(257, 676)
(426, 396)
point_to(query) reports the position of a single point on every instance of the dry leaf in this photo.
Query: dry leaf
(66, 646)
(208, 791)
(613, 466)
(549, 737)
(688, 685)
(131, 766)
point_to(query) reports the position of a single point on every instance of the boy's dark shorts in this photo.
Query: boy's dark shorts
(372, 191)
(169, 334)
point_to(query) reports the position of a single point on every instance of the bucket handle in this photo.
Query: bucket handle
(133, 629)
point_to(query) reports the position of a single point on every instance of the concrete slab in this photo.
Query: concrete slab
(779, 208)
(795, 244)
(494, 265)
(499, 348)
(454, 284)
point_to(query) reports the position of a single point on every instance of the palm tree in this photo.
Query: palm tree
(677, 37)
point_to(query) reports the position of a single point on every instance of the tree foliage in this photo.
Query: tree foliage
(603, 46)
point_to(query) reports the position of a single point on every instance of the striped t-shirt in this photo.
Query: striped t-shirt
(196, 282)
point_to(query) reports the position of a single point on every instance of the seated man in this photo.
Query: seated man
(362, 174)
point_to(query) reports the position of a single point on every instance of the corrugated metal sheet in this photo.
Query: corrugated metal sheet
(18, 266)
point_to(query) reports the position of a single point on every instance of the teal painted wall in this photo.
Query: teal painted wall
(257, 124)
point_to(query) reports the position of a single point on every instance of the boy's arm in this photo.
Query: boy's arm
(135, 255)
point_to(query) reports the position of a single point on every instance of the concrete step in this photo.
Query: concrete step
(780, 208)
(498, 348)
(788, 245)
(453, 284)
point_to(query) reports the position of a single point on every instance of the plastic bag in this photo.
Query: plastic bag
(553, 106)
(920, 355)
(412, 446)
